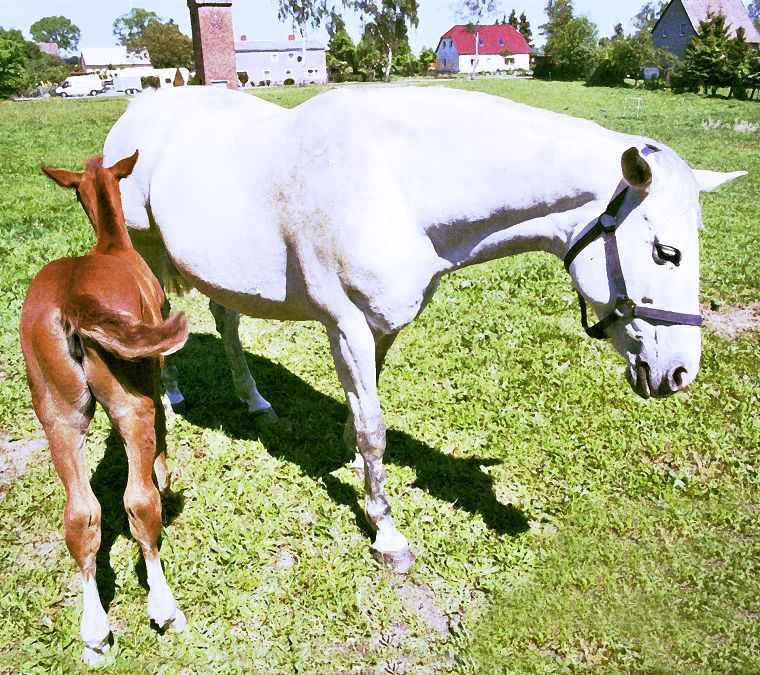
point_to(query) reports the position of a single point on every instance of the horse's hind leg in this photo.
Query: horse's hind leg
(130, 394)
(65, 408)
(227, 323)
(353, 350)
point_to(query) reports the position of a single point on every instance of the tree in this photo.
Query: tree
(647, 17)
(524, 29)
(167, 46)
(474, 12)
(512, 21)
(341, 50)
(571, 42)
(128, 28)
(705, 62)
(739, 57)
(12, 60)
(385, 25)
(618, 31)
(23, 65)
(428, 57)
(56, 29)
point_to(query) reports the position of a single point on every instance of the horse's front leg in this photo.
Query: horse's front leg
(353, 349)
(227, 323)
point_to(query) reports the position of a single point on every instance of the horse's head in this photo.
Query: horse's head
(638, 268)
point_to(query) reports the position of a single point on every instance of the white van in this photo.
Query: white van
(81, 85)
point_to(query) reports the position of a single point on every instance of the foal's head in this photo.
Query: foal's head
(97, 188)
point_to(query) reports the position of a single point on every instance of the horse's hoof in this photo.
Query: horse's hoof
(264, 415)
(95, 656)
(398, 561)
(178, 624)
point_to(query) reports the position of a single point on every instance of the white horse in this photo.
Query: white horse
(351, 207)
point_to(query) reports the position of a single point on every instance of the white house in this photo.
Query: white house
(281, 61)
(499, 48)
(94, 59)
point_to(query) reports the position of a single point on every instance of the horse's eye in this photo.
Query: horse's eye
(666, 254)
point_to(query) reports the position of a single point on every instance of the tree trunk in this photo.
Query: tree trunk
(477, 52)
(389, 65)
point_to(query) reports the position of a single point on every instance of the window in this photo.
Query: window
(501, 42)
(274, 57)
(267, 72)
(291, 55)
(683, 29)
(664, 32)
(288, 71)
(481, 42)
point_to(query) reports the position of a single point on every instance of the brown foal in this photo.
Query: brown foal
(91, 330)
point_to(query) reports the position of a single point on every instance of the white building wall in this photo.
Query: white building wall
(277, 66)
(490, 63)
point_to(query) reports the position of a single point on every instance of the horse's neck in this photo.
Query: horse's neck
(107, 217)
(544, 227)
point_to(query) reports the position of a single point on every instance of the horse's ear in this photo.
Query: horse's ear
(64, 178)
(636, 170)
(124, 167)
(710, 180)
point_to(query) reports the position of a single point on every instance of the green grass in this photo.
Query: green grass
(561, 523)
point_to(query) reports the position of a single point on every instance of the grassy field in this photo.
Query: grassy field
(561, 523)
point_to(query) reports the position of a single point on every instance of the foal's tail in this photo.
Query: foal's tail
(116, 333)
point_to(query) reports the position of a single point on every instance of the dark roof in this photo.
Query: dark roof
(734, 10)
(493, 40)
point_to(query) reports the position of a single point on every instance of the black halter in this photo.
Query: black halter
(625, 307)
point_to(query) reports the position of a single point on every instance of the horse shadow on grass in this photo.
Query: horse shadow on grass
(108, 482)
(310, 429)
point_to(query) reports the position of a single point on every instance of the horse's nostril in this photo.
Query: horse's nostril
(678, 375)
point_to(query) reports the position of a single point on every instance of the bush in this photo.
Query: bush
(150, 81)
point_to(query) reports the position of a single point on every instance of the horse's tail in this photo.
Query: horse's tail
(119, 334)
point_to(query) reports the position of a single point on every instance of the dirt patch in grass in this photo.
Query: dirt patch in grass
(420, 598)
(14, 458)
(728, 320)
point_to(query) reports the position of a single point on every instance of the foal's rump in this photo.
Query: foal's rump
(119, 332)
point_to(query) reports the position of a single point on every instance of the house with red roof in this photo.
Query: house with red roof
(498, 48)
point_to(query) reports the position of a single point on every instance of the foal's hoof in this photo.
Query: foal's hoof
(398, 561)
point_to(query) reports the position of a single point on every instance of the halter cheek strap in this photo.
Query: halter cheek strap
(625, 308)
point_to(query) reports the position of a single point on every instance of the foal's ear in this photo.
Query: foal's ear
(64, 178)
(124, 167)
(636, 170)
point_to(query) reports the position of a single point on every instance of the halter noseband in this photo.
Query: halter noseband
(625, 307)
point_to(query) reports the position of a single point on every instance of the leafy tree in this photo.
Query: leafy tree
(167, 46)
(474, 11)
(524, 29)
(427, 58)
(647, 17)
(571, 42)
(385, 25)
(56, 29)
(341, 50)
(618, 31)
(753, 76)
(128, 28)
(512, 21)
(12, 61)
(23, 65)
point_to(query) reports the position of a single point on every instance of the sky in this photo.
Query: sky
(258, 18)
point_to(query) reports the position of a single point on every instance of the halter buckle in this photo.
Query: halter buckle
(608, 223)
(625, 308)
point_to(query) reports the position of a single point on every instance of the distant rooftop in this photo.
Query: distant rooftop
(277, 45)
(115, 56)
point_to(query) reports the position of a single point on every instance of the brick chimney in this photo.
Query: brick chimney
(213, 41)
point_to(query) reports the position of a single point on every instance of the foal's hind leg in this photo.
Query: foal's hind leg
(129, 393)
(66, 429)
(227, 323)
